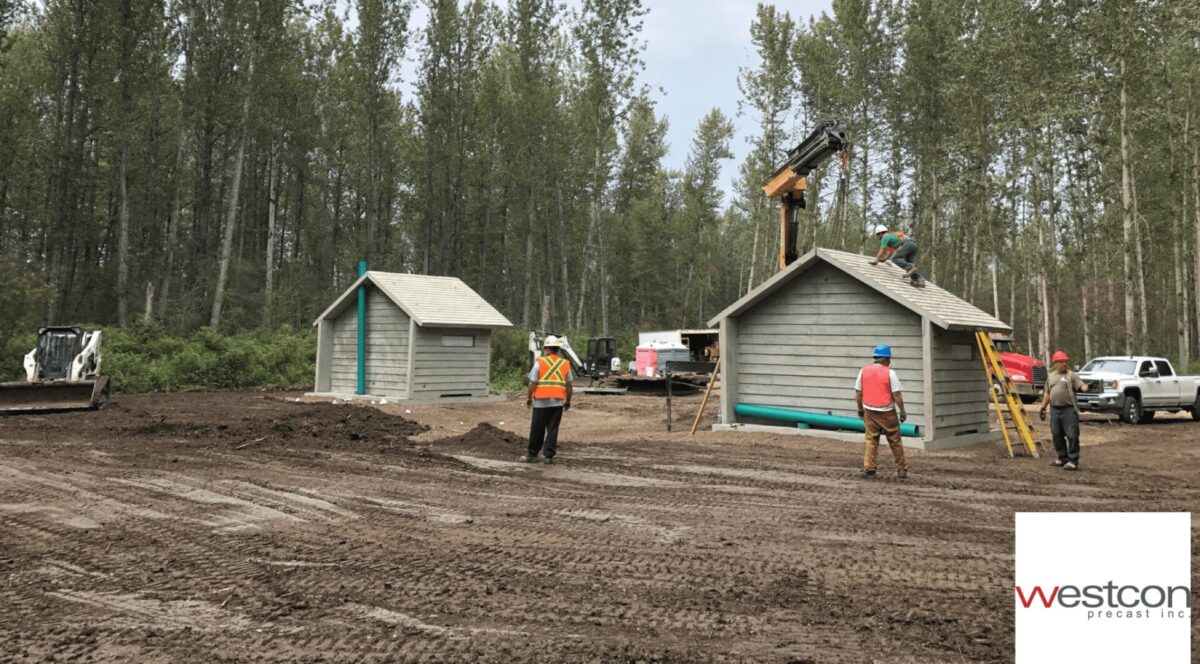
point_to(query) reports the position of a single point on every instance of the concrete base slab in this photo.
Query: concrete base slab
(376, 398)
(937, 444)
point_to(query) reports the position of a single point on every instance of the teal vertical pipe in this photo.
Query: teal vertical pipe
(362, 332)
(819, 420)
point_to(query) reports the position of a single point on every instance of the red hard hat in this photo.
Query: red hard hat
(1059, 356)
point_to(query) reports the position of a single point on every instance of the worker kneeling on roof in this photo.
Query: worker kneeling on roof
(901, 250)
(550, 392)
(881, 407)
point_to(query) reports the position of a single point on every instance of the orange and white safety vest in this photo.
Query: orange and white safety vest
(877, 386)
(552, 378)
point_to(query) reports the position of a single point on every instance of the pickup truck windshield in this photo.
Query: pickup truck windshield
(1110, 366)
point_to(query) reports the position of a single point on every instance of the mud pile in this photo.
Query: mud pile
(307, 424)
(485, 438)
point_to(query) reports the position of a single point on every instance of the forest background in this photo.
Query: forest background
(201, 176)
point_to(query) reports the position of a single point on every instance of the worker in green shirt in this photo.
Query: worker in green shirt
(902, 250)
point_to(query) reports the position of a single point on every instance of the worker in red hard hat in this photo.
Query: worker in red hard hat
(1059, 398)
(880, 400)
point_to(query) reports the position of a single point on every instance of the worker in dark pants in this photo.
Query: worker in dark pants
(901, 250)
(1061, 386)
(550, 391)
(881, 407)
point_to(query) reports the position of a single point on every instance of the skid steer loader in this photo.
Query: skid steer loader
(61, 373)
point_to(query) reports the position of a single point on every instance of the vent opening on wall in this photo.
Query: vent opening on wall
(454, 394)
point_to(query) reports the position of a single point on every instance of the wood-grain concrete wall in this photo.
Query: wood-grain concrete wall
(803, 346)
(450, 370)
(387, 348)
(960, 390)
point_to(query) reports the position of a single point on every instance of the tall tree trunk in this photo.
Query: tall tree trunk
(272, 205)
(525, 299)
(373, 172)
(123, 238)
(1196, 224)
(214, 320)
(168, 266)
(562, 254)
(589, 256)
(1127, 218)
(1140, 263)
(996, 287)
(126, 73)
(933, 231)
(753, 255)
(1181, 299)
(149, 308)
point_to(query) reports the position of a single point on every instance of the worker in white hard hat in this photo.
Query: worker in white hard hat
(901, 249)
(550, 391)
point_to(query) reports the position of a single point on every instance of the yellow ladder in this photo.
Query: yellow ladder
(993, 366)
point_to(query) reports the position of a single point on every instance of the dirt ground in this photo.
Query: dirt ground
(246, 526)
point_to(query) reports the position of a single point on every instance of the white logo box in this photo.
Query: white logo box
(1117, 585)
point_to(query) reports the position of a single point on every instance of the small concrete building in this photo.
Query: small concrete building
(426, 339)
(799, 339)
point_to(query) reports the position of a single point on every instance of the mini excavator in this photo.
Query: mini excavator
(790, 180)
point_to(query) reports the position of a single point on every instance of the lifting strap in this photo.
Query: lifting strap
(992, 366)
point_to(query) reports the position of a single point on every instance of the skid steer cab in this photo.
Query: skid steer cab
(61, 373)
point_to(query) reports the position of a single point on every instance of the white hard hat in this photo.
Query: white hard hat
(552, 341)
(879, 228)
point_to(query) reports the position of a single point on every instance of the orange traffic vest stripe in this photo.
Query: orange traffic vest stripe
(552, 378)
(877, 386)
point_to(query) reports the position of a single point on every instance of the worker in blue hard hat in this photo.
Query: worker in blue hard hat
(881, 407)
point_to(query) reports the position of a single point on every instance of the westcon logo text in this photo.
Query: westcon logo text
(1111, 601)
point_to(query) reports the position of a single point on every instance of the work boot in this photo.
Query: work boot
(527, 458)
(866, 474)
(919, 284)
(548, 461)
(1070, 466)
(1057, 462)
(901, 474)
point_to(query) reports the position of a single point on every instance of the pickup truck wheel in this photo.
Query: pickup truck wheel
(1131, 410)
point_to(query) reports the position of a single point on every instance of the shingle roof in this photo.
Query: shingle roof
(430, 301)
(941, 307)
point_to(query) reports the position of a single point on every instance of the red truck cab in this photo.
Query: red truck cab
(1028, 374)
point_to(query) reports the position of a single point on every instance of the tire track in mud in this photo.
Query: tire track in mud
(134, 547)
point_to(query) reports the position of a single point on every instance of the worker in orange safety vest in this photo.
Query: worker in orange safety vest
(550, 391)
(881, 407)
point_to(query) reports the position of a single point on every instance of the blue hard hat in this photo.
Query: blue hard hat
(883, 350)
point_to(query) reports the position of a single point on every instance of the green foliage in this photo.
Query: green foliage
(145, 358)
(510, 360)
(21, 299)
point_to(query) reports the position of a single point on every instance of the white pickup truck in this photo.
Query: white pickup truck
(1136, 387)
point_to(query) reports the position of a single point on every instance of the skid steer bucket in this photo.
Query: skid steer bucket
(53, 396)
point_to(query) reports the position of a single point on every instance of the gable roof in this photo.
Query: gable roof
(430, 301)
(941, 307)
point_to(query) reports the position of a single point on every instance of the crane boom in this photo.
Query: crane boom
(790, 180)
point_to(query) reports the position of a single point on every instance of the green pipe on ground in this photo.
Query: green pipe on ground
(819, 420)
(362, 332)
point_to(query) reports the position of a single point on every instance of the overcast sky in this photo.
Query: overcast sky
(693, 51)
